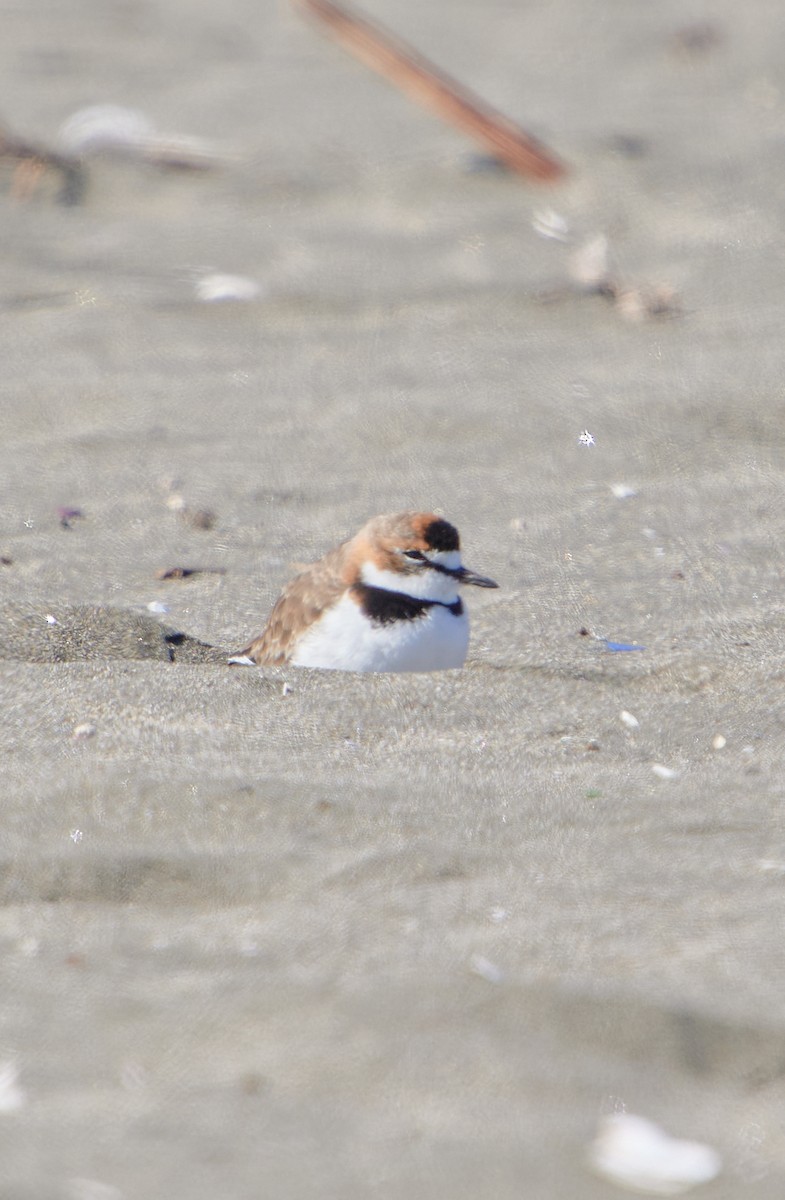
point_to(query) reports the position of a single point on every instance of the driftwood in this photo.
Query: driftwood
(425, 83)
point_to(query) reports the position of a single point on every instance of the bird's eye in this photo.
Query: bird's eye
(416, 555)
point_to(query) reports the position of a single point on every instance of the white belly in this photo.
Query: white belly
(345, 640)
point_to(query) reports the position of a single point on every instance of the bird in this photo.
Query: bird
(387, 599)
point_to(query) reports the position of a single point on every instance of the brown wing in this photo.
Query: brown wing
(300, 604)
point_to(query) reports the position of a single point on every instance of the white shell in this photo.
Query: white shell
(227, 287)
(104, 127)
(636, 1154)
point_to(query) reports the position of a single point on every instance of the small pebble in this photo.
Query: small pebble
(85, 730)
(630, 145)
(771, 865)
(663, 772)
(589, 265)
(187, 572)
(637, 304)
(486, 969)
(248, 947)
(719, 742)
(549, 224)
(198, 518)
(12, 1097)
(212, 288)
(698, 38)
(251, 1083)
(66, 515)
(629, 720)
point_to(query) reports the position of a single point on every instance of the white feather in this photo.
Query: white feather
(343, 639)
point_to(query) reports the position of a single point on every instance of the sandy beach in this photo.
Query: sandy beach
(312, 934)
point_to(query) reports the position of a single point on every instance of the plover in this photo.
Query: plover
(386, 600)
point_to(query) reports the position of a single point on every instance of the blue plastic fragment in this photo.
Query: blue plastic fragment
(617, 646)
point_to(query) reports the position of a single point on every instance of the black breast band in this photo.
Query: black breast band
(383, 607)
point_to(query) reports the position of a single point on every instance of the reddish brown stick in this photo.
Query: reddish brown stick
(414, 75)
